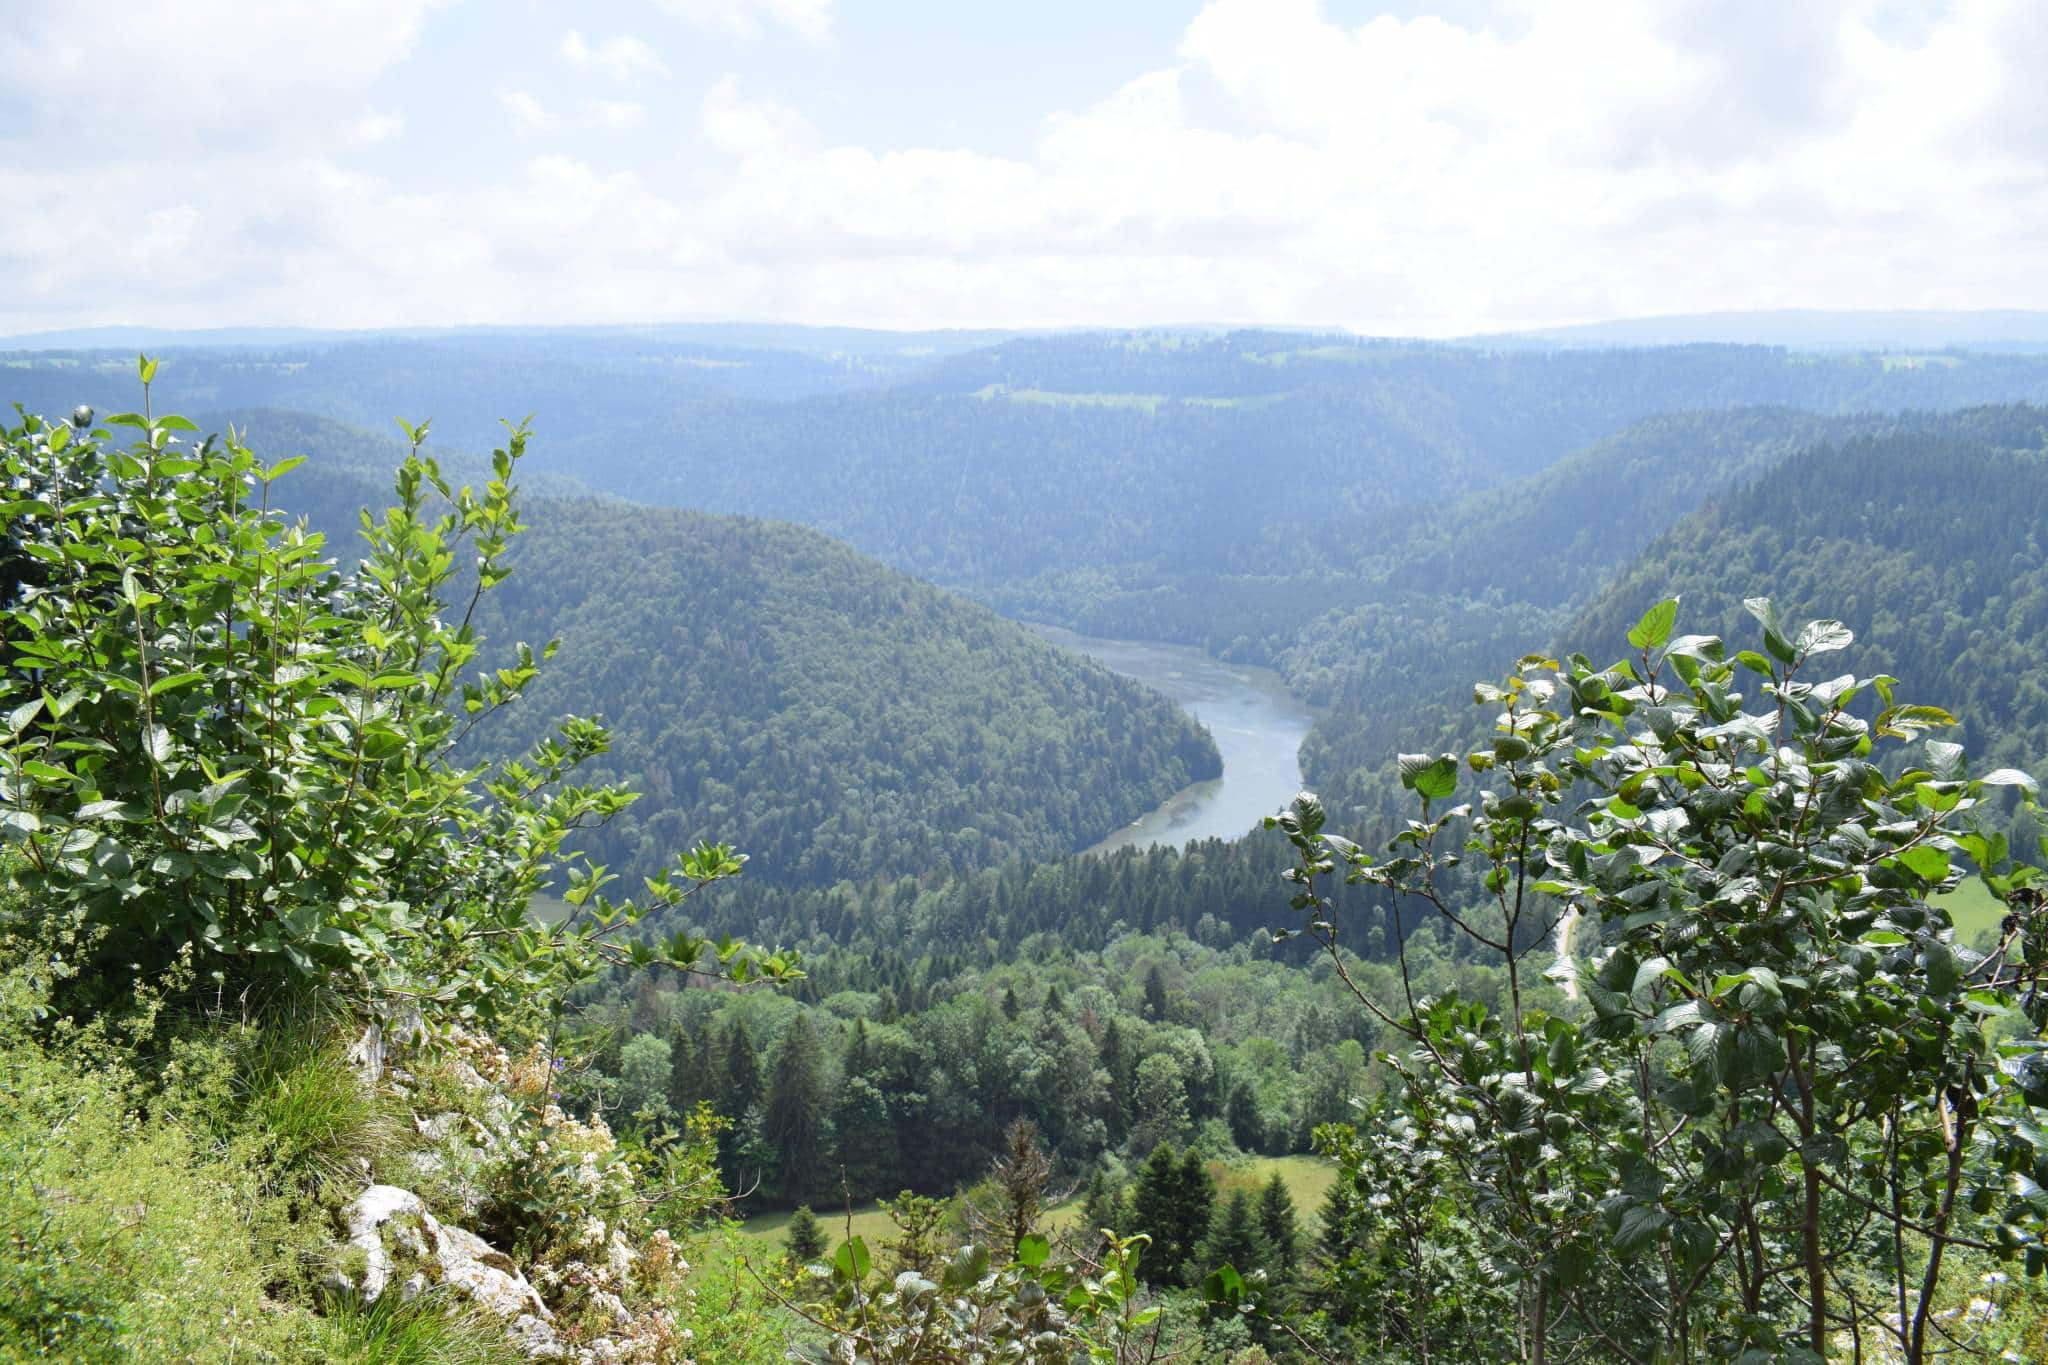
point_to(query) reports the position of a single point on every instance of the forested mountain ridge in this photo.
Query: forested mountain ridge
(1932, 547)
(1033, 472)
(836, 718)
(1939, 573)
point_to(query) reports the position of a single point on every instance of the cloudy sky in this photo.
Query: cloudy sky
(1430, 166)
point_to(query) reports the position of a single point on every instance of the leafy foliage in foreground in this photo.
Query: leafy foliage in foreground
(1789, 1094)
(220, 749)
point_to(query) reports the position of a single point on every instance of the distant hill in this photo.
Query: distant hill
(1811, 330)
(1102, 480)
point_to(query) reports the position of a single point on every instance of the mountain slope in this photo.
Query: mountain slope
(1713, 506)
(832, 717)
(1932, 547)
(768, 686)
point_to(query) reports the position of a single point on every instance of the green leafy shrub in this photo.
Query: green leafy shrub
(1779, 1095)
(215, 743)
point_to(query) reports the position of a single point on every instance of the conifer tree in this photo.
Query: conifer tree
(1155, 994)
(1194, 1208)
(685, 1086)
(804, 1238)
(859, 1060)
(1154, 1212)
(1116, 1061)
(796, 1116)
(1235, 1241)
(742, 1081)
(1099, 1209)
(918, 1244)
(1247, 1125)
(1280, 1227)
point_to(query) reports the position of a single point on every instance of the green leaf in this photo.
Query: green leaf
(1033, 1251)
(2011, 777)
(1823, 637)
(1655, 626)
(1774, 634)
(1640, 1225)
(1439, 779)
(1926, 863)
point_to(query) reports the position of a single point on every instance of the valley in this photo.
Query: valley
(1256, 723)
(992, 661)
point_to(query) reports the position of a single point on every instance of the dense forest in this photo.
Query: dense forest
(840, 719)
(843, 720)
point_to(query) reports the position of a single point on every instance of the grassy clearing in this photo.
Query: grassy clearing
(1308, 1179)
(1148, 403)
(1973, 908)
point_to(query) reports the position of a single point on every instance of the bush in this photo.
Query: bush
(215, 744)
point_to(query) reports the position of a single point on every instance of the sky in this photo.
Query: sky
(1435, 167)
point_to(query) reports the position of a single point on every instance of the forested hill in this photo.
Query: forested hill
(1931, 546)
(1468, 588)
(834, 718)
(768, 686)
(1093, 478)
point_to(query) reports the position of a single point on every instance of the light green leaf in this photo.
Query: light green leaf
(1655, 626)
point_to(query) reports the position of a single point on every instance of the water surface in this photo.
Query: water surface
(1257, 724)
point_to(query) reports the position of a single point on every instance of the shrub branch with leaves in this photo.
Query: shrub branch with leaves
(215, 740)
(1784, 1093)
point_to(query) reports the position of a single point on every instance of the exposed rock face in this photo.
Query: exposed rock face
(399, 1238)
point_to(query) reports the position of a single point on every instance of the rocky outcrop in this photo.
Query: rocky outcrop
(402, 1243)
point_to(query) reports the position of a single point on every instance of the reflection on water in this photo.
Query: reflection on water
(1257, 724)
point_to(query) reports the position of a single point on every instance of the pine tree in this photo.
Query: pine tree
(1194, 1209)
(859, 1060)
(1247, 1125)
(804, 1238)
(1281, 1229)
(742, 1080)
(685, 1086)
(917, 1246)
(1153, 1213)
(1235, 1241)
(1155, 994)
(796, 1117)
(1099, 1208)
(1117, 1063)
(1011, 1005)
(1054, 1007)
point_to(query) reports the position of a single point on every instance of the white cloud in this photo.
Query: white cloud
(528, 112)
(100, 70)
(622, 57)
(614, 114)
(742, 127)
(375, 126)
(1569, 159)
(808, 19)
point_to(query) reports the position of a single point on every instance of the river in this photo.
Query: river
(1258, 726)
